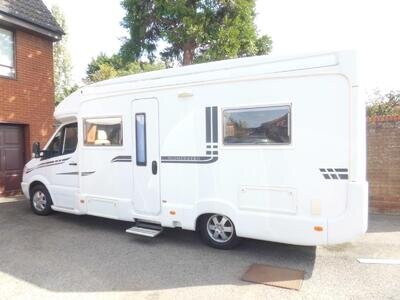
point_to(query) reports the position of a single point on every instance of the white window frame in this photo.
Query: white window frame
(257, 145)
(13, 67)
(102, 146)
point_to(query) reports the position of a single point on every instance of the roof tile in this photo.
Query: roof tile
(32, 11)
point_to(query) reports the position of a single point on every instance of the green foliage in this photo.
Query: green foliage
(62, 60)
(384, 104)
(105, 67)
(194, 30)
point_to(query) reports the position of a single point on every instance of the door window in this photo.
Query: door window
(141, 155)
(64, 142)
(55, 147)
(70, 138)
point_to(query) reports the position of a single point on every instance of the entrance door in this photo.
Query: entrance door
(11, 158)
(146, 171)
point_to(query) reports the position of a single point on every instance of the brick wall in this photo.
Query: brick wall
(29, 99)
(384, 164)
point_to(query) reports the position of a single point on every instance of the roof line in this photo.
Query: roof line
(8, 18)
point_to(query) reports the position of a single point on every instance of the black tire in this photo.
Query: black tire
(41, 207)
(218, 241)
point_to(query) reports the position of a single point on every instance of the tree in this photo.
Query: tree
(384, 104)
(62, 60)
(105, 67)
(194, 30)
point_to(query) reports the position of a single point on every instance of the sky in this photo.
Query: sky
(369, 27)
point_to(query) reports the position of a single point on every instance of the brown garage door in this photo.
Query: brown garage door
(11, 158)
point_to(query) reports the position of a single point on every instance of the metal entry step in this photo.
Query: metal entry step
(145, 229)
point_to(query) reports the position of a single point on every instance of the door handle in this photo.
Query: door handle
(154, 167)
(73, 164)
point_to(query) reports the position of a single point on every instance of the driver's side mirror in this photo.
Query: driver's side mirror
(36, 149)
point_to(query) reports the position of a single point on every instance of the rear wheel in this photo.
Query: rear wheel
(218, 231)
(41, 200)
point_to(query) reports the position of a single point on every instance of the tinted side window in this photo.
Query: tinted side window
(261, 125)
(55, 147)
(70, 138)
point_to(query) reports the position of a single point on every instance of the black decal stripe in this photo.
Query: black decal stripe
(190, 160)
(122, 158)
(211, 137)
(215, 124)
(186, 158)
(335, 174)
(87, 173)
(208, 125)
(69, 173)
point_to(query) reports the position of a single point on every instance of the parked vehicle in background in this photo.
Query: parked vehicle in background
(264, 148)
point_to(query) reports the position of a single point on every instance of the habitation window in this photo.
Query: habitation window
(261, 125)
(103, 132)
(7, 61)
(140, 125)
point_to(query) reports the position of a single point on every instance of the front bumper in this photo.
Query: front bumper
(25, 189)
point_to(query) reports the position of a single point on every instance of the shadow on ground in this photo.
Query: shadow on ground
(383, 223)
(66, 253)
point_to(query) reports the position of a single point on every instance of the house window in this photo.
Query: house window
(260, 125)
(103, 132)
(7, 48)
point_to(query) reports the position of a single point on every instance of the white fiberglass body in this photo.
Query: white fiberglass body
(172, 145)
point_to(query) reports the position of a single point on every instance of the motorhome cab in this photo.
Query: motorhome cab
(264, 148)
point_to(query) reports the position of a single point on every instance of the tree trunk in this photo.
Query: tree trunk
(188, 53)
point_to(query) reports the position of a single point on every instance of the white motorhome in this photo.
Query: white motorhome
(264, 148)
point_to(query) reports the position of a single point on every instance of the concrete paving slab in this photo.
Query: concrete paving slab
(75, 257)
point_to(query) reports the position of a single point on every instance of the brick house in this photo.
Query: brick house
(27, 33)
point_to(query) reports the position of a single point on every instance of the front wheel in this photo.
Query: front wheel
(218, 231)
(41, 200)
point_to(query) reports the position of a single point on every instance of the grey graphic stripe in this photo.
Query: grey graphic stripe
(68, 173)
(211, 156)
(335, 173)
(208, 124)
(48, 164)
(87, 173)
(122, 158)
(215, 124)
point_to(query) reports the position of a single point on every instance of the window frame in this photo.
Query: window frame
(61, 129)
(64, 137)
(138, 163)
(14, 67)
(258, 145)
(102, 117)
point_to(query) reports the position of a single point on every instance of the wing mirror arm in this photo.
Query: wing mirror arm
(36, 150)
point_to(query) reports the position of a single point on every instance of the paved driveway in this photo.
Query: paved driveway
(70, 256)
